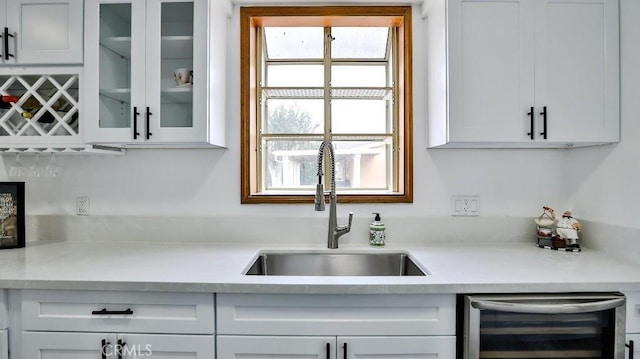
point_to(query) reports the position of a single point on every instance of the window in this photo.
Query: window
(310, 74)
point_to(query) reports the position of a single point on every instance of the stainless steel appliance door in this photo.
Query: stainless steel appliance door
(589, 325)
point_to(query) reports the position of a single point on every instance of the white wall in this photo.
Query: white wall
(510, 183)
(604, 180)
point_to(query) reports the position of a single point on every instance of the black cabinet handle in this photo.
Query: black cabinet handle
(531, 115)
(544, 122)
(6, 35)
(344, 350)
(148, 121)
(120, 347)
(631, 348)
(104, 311)
(135, 123)
(103, 350)
(328, 350)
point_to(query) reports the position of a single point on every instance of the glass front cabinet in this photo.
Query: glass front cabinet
(148, 68)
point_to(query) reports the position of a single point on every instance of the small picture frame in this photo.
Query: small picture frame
(11, 215)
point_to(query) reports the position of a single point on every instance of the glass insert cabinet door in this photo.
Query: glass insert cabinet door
(148, 59)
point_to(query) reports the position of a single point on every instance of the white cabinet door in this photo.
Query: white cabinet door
(179, 107)
(166, 346)
(133, 51)
(77, 345)
(51, 345)
(491, 70)
(261, 347)
(417, 347)
(442, 347)
(523, 73)
(577, 69)
(4, 344)
(636, 345)
(42, 31)
(4, 312)
(115, 61)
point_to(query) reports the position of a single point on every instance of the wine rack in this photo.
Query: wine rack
(39, 110)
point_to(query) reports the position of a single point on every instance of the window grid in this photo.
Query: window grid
(389, 138)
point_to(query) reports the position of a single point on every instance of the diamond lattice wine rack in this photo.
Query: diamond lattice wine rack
(39, 110)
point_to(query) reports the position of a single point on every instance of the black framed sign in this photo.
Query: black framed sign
(11, 215)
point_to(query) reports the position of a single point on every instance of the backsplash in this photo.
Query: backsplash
(276, 230)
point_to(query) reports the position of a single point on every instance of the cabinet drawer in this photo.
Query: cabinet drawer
(103, 311)
(4, 313)
(272, 314)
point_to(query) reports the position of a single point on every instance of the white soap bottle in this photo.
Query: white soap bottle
(377, 232)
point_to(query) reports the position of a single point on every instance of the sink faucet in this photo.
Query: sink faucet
(335, 231)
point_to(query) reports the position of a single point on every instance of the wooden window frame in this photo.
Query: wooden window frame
(253, 17)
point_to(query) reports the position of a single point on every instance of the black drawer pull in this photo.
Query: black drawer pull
(120, 347)
(631, 348)
(103, 350)
(104, 311)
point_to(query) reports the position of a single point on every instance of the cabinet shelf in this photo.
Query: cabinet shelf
(177, 47)
(173, 47)
(118, 94)
(120, 45)
(177, 95)
(168, 95)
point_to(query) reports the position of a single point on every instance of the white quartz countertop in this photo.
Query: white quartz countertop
(200, 267)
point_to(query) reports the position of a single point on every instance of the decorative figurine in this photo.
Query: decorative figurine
(567, 228)
(557, 233)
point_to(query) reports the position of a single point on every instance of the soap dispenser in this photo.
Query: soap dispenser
(377, 233)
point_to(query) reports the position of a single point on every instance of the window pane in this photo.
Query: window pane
(359, 116)
(362, 164)
(302, 75)
(294, 42)
(294, 116)
(359, 42)
(358, 76)
(290, 164)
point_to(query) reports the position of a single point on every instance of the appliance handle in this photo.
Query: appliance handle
(564, 308)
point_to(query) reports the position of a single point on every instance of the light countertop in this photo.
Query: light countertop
(201, 267)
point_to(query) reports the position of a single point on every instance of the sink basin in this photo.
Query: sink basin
(335, 264)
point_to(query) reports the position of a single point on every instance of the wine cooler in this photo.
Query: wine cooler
(542, 326)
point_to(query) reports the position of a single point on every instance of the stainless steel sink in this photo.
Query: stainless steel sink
(335, 264)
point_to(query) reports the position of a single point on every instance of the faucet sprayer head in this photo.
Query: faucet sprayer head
(319, 200)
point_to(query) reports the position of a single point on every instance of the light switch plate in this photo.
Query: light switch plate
(465, 205)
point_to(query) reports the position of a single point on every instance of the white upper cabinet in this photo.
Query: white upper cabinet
(522, 73)
(148, 72)
(40, 32)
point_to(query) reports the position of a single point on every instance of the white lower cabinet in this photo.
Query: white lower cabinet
(4, 344)
(4, 324)
(632, 323)
(236, 347)
(56, 324)
(48, 345)
(633, 345)
(264, 326)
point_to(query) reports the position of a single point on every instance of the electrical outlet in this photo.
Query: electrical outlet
(82, 206)
(465, 205)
